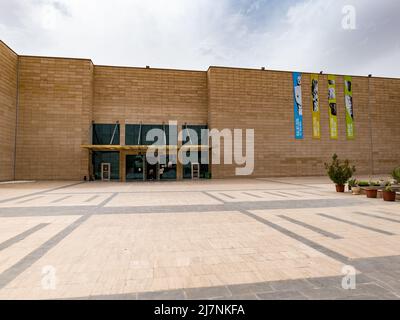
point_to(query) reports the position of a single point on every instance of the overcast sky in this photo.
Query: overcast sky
(301, 35)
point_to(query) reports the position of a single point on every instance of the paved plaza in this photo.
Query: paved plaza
(283, 238)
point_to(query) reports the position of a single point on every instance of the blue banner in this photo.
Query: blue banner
(298, 106)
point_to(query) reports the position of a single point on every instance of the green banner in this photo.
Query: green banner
(333, 122)
(316, 113)
(348, 94)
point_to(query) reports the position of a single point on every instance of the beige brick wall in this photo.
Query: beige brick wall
(151, 96)
(55, 99)
(8, 97)
(263, 100)
(385, 110)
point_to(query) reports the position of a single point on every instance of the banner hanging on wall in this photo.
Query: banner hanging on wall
(348, 93)
(298, 105)
(333, 122)
(316, 114)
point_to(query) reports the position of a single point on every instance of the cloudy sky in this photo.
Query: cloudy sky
(301, 35)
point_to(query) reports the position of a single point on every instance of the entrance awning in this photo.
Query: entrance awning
(145, 148)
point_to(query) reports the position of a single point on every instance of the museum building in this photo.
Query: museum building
(68, 119)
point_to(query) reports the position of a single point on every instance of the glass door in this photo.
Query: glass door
(134, 168)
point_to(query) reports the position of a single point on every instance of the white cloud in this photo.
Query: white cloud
(306, 35)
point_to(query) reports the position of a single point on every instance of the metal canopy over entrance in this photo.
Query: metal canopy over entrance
(129, 162)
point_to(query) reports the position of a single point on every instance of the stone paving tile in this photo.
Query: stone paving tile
(308, 226)
(22, 236)
(242, 289)
(357, 224)
(327, 288)
(283, 295)
(292, 285)
(244, 297)
(377, 217)
(163, 295)
(207, 293)
(133, 296)
(210, 246)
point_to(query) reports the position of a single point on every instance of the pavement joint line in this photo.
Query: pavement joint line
(320, 194)
(376, 217)
(225, 206)
(276, 194)
(29, 200)
(214, 197)
(253, 195)
(389, 213)
(227, 195)
(61, 199)
(41, 192)
(357, 224)
(26, 262)
(295, 236)
(291, 194)
(91, 198)
(103, 204)
(312, 228)
(289, 183)
(22, 236)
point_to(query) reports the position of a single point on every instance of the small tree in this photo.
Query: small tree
(396, 174)
(340, 171)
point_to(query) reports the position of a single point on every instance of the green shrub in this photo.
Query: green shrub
(388, 187)
(353, 183)
(396, 174)
(363, 183)
(339, 171)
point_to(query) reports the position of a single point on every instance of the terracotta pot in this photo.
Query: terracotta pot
(372, 193)
(389, 196)
(356, 191)
(340, 188)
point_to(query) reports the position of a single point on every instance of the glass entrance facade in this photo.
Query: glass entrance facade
(204, 167)
(196, 135)
(168, 167)
(99, 157)
(131, 155)
(106, 134)
(135, 168)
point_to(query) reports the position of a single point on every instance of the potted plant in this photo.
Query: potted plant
(372, 190)
(389, 194)
(356, 190)
(339, 172)
(352, 184)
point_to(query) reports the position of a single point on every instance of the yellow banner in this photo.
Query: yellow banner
(316, 113)
(333, 122)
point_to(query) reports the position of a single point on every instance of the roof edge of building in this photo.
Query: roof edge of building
(150, 68)
(9, 48)
(188, 70)
(305, 72)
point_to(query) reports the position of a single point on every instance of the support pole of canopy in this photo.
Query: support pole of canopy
(140, 135)
(113, 135)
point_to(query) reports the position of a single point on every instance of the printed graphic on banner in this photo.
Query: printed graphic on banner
(316, 114)
(333, 122)
(298, 106)
(348, 93)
